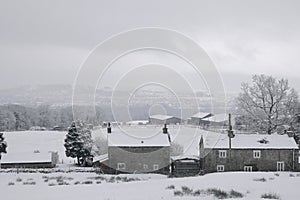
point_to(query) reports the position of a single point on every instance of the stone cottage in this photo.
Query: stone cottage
(138, 151)
(250, 152)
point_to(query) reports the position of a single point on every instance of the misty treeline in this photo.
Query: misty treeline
(17, 117)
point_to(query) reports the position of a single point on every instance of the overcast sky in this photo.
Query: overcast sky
(45, 42)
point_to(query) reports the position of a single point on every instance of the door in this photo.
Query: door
(248, 168)
(280, 166)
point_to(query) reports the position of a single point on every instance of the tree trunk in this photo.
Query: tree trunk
(78, 161)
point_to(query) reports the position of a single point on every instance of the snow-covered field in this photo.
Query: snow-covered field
(130, 187)
(75, 185)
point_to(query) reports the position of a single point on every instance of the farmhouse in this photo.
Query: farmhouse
(138, 151)
(164, 119)
(250, 152)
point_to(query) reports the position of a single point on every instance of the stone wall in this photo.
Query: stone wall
(135, 158)
(244, 157)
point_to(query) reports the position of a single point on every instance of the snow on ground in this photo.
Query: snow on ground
(147, 186)
(251, 185)
(22, 144)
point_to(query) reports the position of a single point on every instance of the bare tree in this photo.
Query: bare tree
(176, 149)
(268, 102)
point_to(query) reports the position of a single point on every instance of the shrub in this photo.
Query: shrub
(178, 193)
(260, 179)
(186, 190)
(29, 183)
(292, 175)
(76, 183)
(11, 183)
(170, 187)
(87, 182)
(197, 193)
(270, 196)
(51, 184)
(111, 180)
(276, 174)
(19, 179)
(63, 183)
(235, 194)
(220, 194)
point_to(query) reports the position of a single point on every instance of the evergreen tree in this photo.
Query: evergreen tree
(78, 142)
(3, 145)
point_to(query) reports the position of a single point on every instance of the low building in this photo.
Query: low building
(137, 122)
(29, 160)
(199, 118)
(164, 119)
(250, 152)
(37, 128)
(218, 120)
(138, 152)
(183, 166)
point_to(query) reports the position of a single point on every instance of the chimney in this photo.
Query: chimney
(108, 128)
(165, 129)
(201, 148)
(201, 155)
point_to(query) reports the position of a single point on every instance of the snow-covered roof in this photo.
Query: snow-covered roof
(182, 157)
(161, 117)
(23, 144)
(217, 118)
(100, 158)
(256, 141)
(201, 115)
(189, 138)
(136, 137)
(26, 157)
(137, 122)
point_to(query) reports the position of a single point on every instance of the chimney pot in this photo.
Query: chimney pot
(165, 129)
(108, 128)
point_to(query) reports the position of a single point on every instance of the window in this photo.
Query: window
(248, 168)
(222, 153)
(256, 154)
(121, 166)
(155, 167)
(220, 168)
(280, 166)
(145, 166)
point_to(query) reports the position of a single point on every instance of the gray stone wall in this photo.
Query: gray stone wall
(28, 165)
(136, 157)
(244, 157)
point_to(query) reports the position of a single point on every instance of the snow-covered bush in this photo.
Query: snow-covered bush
(176, 149)
(270, 196)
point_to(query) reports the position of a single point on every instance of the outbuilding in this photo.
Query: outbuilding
(164, 119)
